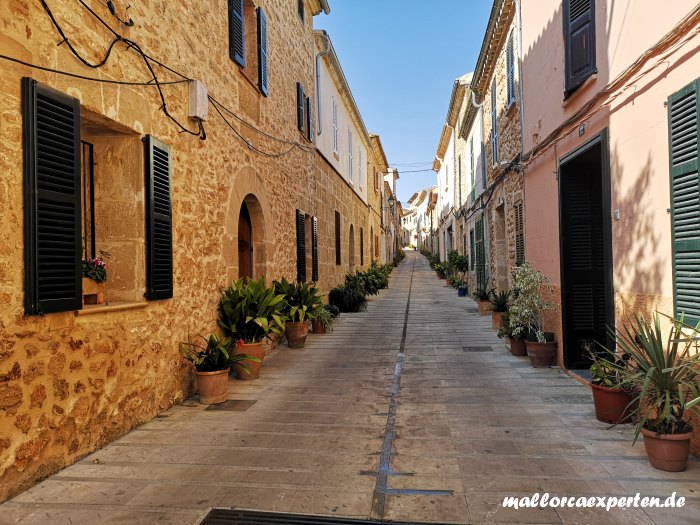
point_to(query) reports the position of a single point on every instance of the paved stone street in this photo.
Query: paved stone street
(412, 410)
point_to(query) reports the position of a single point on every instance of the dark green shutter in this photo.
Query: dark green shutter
(472, 250)
(362, 247)
(684, 132)
(262, 52)
(300, 9)
(314, 250)
(300, 106)
(52, 234)
(301, 248)
(519, 235)
(579, 42)
(236, 32)
(481, 274)
(159, 246)
(337, 238)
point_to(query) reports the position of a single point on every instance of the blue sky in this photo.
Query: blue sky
(400, 58)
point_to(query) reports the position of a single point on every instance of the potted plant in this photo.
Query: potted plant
(664, 371)
(462, 267)
(439, 269)
(612, 392)
(499, 305)
(322, 319)
(251, 311)
(482, 297)
(94, 276)
(300, 300)
(349, 296)
(212, 359)
(526, 315)
(516, 343)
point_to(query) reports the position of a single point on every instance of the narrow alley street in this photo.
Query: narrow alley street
(413, 410)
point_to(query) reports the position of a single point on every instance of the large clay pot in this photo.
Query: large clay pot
(496, 319)
(253, 350)
(212, 386)
(517, 347)
(612, 405)
(542, 355)
(484, 307)
(296, 334)
(317, 327)
(667, 452)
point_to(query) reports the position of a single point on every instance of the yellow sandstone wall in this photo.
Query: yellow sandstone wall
(71, 383)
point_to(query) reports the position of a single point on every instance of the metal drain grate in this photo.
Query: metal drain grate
(233, 405)
(251, 517)
(477, 349)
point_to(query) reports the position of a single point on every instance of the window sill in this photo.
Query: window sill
(92, 309)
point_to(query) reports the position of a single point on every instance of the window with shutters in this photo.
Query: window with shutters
(84, 195)
(494, 125)
(236, 32)
(248, 42)
(480, 254)
(301, 246)
(684, 138)
(335, 127)
(337, 238)
(519, 234)
(472, 250)
(579, 43)
(301, 108)
(472, 173)
(350, 156)
(510, 71)
(362, 247)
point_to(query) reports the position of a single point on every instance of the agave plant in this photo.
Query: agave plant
(500, 301)
(664, 369)
(251, 311)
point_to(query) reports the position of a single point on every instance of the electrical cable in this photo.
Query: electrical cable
(91, 79)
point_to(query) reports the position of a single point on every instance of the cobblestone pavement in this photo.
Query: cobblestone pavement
(412, 410)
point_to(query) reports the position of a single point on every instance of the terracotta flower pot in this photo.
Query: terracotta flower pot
(484, 307)
(212, 386)
(667, 452)
(317, 327)
(612, 405)
(93, 292)
(253, 350)
(517, 347)
(542, 355)
(441, 276)
(496, 319)
(296, 334)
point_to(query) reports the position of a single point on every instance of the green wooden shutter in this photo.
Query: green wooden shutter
(159, 246)
(579, 43)
(362, 247)
(310, 119)
(519, 235)
(472, 250)
(337, 238)
(300, 107)
(52, 234)
(301, 248)
(314, 250)
(684, 133)
(236, 32)
(262, 52)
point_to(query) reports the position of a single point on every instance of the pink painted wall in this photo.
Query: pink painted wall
(637, 122)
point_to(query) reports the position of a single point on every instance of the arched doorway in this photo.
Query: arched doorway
(351, 248)
(245, 243)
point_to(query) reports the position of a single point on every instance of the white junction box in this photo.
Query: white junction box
(199, 100)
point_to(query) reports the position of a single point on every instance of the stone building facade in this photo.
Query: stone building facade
(228, 205)
(496, 84)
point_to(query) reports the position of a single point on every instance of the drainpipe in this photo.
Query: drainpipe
(327, 50)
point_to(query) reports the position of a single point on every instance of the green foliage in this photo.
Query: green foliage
(483, 294)
(528, 304)
(349, 296)
(439, 268)
(664, 371)
(96, 269)
(324, 316)
(251, 311)
(334, 311)
(504, 330)
(399, 256)
(300, 299)
(500, 301)
(212, 354)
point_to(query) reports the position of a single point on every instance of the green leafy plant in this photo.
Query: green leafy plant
(664, 371)
(439, 268)
(300, 299)
(213, 354)
(251, 311)
(528, 306)
(349, 296)
(332, 309)
(96, 269)
(500, 301)
(324, 316)
(483, 294)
